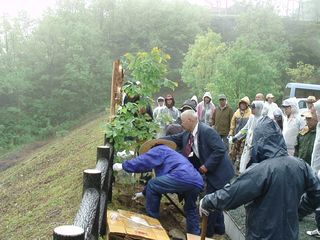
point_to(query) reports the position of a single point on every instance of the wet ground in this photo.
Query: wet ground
(170, 217)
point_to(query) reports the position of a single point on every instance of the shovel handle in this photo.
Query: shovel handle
(204, 223)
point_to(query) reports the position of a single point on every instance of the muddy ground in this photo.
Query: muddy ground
(170, 217)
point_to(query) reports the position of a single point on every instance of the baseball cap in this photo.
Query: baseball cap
(311, 99)
(269, 95)
(286, 103)
(222, 96)
(307, 114)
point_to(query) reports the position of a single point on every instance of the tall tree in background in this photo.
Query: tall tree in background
(304, 73)
(144, 24)
(58, 69)
(303, 38)
(72, 67)
(262, 29)
(15, 124)
(198, 66)
(243, 71)
(255, 62)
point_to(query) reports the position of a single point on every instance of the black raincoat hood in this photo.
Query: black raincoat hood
(268, 141)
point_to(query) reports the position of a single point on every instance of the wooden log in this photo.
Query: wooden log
(87, 216)
(68, 232)
(91, 179)
(103, 214)
(104, 151)
(103, 156)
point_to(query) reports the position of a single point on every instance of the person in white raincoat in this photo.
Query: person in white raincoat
(205, 109)
(292, 123)
(315, 158)
(315, 164)
(247, 131)
(269, 106)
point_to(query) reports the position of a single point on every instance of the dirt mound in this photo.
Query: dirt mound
(170, 217)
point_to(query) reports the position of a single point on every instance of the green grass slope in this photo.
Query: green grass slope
(44, 190)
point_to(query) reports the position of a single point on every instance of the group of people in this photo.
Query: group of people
(166, 113)
(277, 187)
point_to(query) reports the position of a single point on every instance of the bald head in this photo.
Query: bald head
(189, 120)
(189, 114)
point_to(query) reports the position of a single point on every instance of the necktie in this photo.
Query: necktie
(188, 148)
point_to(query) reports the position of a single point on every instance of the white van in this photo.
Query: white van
(302, 90)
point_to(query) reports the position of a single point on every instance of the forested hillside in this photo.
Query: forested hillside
(57, 69)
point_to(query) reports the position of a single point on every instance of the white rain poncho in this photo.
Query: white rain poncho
(277, 112)
(292, 125)
(315, 158)
(158, 109)
(205, 110)
(247, 131)
(269, 108)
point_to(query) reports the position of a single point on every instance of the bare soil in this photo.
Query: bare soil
(170, 217)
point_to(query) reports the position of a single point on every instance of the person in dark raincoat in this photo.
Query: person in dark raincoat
(271, 188)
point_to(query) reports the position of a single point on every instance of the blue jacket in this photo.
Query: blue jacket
(212, 153)
(165, 161)
(271, 188)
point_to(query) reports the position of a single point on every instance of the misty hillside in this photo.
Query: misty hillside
(44, 190)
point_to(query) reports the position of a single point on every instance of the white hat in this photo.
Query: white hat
(269, 95)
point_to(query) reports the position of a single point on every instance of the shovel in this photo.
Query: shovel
(204, 222)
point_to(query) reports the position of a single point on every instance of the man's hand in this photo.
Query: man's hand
(117, 167)
(203, 169)
(137, 195)
(202, 211)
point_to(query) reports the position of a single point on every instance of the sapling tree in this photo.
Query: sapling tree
(145, 74)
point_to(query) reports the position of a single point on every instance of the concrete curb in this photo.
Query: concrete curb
(232, 229)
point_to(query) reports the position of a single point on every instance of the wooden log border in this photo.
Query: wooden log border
(90, 220)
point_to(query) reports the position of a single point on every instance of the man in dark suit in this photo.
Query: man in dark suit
(205, 149)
